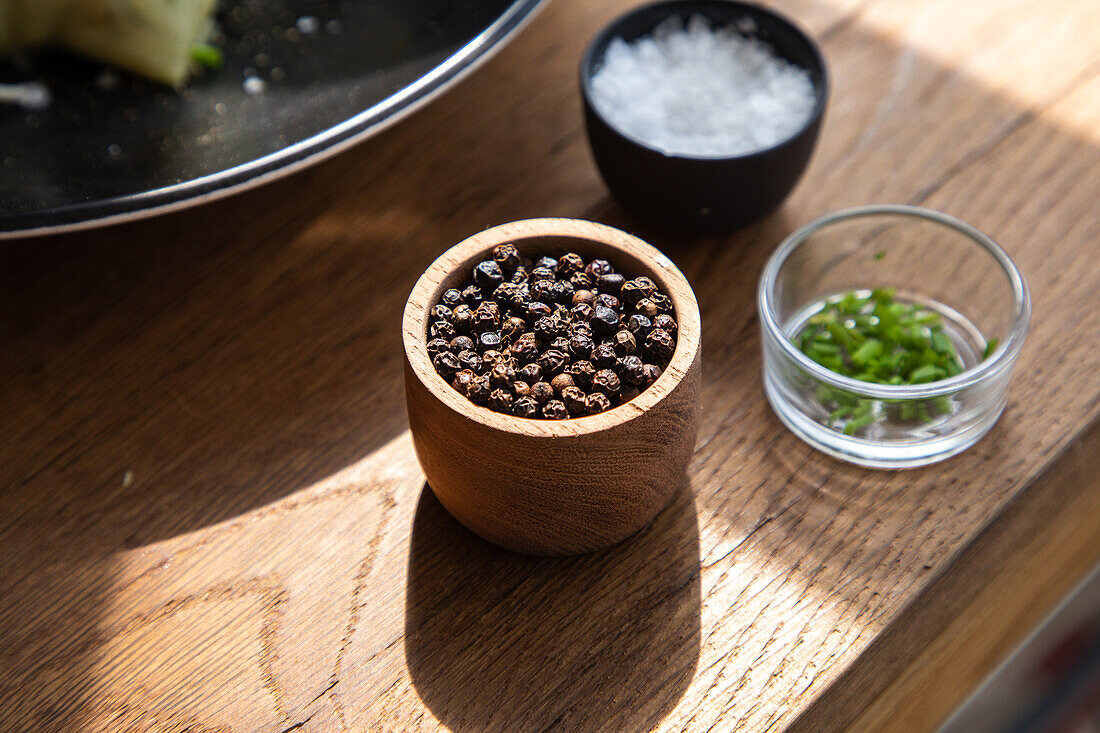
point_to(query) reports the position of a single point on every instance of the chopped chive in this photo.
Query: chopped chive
(207, 56)
(858, 423)
(840, 413)
(868, 350)
(877, 339)
(941, 343)
(924, 373)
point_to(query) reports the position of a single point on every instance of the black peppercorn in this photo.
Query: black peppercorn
(441, 313)
(666, 323)
(596, 268)
(574, 401)
(487, 275)
(662, 301)
(542, 392)
(547, 262)
(530, 373)
(646, 307)
(607, 301)
(478, 391)
(604, 321)
(581, 345)
(582, 313)
(463, 380)
(513, 327)
(520, 275)
(597, 402)
(604, 356)
(631, 370)
(442, 330)
(537, 310)
(560, 343)
(446, 364)
(581, 281)
(610, 284)
(438, 346)
(546, 328)
(501, 376)
(505, 293)
(461, 343)
(552, 362)
(524, 350)
(489, 309)
(468, 359)
(521, 388)
(624, 343)
(578, 328)
(660, 345)
(500, 400)
(651, 371)
(488, 340)
(506, 256)
(569, 263)
(555, 410)
(583, 296)
(543, 291)
(638, 325)
(462, 318)
(563, 292)
(451, 298)
(486, 319)
(631, 292)
(541, 274)
(472, 296)
(525, 407)
(606, 381)
(491, 358)
(561, 382)
(646, 285)
(581, 372)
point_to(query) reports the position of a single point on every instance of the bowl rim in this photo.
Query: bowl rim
(653, 262)
(1003, 357)
(608, 32)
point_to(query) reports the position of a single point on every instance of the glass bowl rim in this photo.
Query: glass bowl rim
(1002, 358)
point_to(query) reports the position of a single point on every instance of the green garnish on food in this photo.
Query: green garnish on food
(207, 56)
(874, 338)
(877, 339)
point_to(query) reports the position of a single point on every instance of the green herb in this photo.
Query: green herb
(875, 338)
(207, 56)
(990, 347)
(880, 254)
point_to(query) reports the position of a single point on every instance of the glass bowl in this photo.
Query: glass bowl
(932, 261)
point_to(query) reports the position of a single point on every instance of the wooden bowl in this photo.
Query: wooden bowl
(554, 487)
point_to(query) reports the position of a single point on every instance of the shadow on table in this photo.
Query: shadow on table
(500, 641)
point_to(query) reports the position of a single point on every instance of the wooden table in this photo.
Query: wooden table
(212, 518)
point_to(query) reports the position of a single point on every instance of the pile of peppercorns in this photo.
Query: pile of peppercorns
(555, 338)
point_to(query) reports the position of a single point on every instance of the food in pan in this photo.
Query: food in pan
(163, 40)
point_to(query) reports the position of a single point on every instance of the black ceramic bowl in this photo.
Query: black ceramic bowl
(693, 192)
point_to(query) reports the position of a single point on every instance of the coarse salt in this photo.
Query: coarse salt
(698, 90)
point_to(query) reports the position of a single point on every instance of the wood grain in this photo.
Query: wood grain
(549, 487)
(211, 517)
